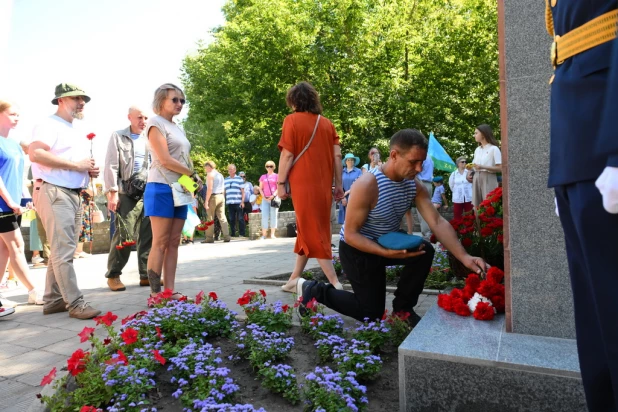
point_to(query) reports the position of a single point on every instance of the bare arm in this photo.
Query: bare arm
(4, 193)
(285, 164)
(338, 167)
(38, 152)
(159, 146)
(444, 231)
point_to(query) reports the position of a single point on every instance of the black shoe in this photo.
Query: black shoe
(413, 319)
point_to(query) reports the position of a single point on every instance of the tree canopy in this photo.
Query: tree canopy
(379, 66)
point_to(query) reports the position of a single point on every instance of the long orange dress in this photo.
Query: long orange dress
(311, 180)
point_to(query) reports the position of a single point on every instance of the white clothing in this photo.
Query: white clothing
(607, 184)
(460, 187)
(177, 145)
(487, 156)
(65, 142)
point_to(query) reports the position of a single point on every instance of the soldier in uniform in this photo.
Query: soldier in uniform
(584, 173)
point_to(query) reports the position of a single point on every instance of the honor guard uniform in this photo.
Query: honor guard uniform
(584, 144)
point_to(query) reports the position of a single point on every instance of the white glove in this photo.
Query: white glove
(556, 202)
(607, 184)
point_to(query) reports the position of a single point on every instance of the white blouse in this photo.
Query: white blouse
(461, 188)
(487, 156)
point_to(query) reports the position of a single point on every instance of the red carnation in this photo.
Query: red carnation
(468, 292)
(90, 136)
(486, 231)
(49, 378)
(119, 247)
(106, 319)
(467, 242)
(490, 211)
(473, 281)
(494, 274)
(483, 311)
(456, 293)
(158, 357)
(129, 336)
(213, 296)
(488, 289)
(77, 362)
(85, 334)
(199, 297)
(460, 307)
(445, 302)
(498, 302)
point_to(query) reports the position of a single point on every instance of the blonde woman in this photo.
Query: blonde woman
(170, 160)
(268, 190)
(11, 189)
(487, 162)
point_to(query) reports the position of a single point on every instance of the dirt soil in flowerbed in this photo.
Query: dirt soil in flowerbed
(382, 393)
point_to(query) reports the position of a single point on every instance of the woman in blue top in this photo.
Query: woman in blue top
(11, 185)
(350, 174)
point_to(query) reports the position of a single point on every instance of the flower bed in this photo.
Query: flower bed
(196, 356)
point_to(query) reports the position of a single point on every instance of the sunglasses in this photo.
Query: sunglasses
(176, 100)
(270, 167)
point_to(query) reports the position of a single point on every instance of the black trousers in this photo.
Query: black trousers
(235, 215)
(367, 275)
(591, 236)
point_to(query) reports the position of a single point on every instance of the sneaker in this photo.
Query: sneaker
(84, 311)
(35, 297)
(6, 311)
(273, 237)
(414, 319)
(7, 303)
(56, 307)
(262, 238)
(36, 259)
(116, 285)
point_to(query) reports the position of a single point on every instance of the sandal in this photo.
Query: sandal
(290, 286)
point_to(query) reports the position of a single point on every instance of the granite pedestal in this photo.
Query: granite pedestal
(459, 364)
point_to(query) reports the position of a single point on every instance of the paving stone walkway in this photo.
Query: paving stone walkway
(32, 344)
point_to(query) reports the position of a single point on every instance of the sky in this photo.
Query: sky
(117, 51)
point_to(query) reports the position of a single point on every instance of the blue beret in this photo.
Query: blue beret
(438, 179)
(400, 241)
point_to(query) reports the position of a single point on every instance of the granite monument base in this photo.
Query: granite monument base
(459, 364)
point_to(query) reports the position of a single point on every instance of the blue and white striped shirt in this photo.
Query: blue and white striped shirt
(232, 190)
(394, 200)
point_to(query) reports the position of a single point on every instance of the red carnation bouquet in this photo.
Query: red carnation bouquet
(479, 298)
(204, 225)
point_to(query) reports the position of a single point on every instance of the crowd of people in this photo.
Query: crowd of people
(150, 188)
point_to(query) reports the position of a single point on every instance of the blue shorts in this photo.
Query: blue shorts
(158, 202)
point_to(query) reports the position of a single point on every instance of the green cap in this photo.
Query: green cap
(68, 90)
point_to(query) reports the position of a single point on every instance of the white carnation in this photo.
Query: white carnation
(475, 300)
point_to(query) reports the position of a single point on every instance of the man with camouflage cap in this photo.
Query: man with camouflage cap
(62, 165)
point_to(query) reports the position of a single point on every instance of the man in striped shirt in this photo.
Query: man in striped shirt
(377, 203)
(234, 195)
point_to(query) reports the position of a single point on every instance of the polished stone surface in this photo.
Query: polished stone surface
(454, 363)
(541, 302)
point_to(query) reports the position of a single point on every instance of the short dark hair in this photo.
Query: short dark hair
(486, 131)
(303, 98)
(405, 139)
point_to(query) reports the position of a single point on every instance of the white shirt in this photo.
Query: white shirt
(65, 142)
(487, 156)
(461, 188)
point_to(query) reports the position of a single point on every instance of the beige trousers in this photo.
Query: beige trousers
(61, 213)
(216, 207)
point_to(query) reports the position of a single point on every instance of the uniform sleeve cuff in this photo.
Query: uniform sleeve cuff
(612, 161)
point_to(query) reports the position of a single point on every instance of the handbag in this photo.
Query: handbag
(135, 185)
(181, 196)
(288, 189)
(275, 202)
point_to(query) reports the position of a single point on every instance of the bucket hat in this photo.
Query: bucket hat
(351, 156)
(68, 90)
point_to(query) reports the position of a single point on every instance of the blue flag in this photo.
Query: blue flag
(441, 159)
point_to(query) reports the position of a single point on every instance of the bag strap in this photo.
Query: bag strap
(308, 144)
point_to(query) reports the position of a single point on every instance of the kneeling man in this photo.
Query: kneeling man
(378, 201)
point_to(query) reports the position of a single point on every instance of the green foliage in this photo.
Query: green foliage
(378, 66)
(280, 379)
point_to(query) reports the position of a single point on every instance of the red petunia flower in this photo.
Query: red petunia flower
(106, 319)
(85, 334)
(129, 336)
(158, 329)
(120, 359)
(313, 304)
(298, 301)
(467, 242)
(213, 296)
(90, 136)
(77, 362)
(127, 319)
(183, 298)
(243, 300)
(49, 378)
(262, 292)
(107, 341)
(384, 315)
(158, 357)
(483, 311)
(199, 297)
(154, 300)
(285, 308)
(87, 408)
(167, 293)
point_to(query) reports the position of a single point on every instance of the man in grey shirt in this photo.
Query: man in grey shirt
(214, 203)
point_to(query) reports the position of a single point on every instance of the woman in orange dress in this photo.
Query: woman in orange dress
(310, 178)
